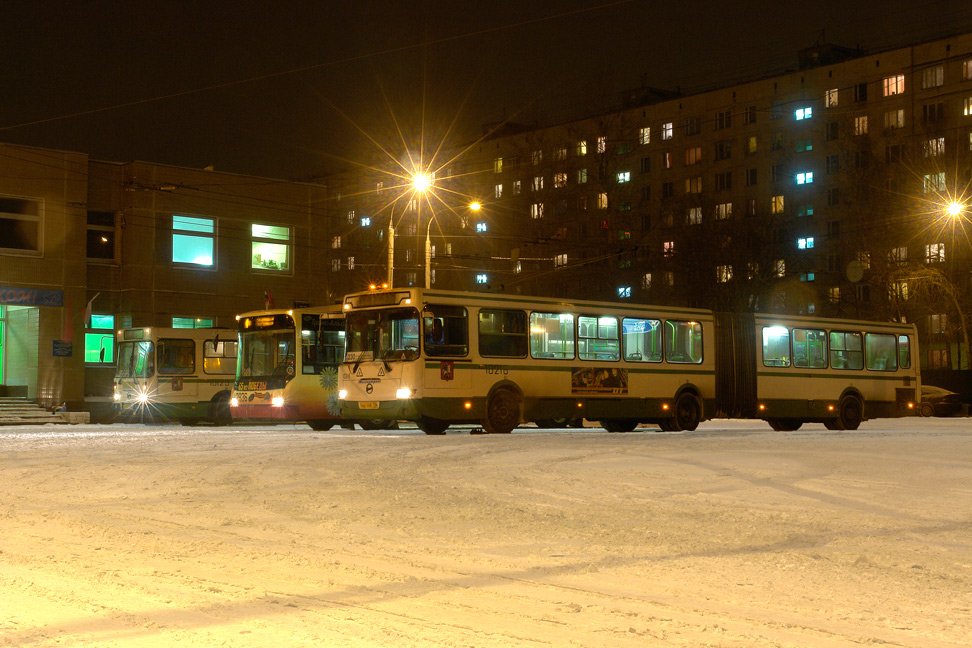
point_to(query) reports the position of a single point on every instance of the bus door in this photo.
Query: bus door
(445, 335)
(176, 366)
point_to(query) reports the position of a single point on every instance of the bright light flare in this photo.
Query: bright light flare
(403, 392)
(475, 206)
(421, 182)
(954, 209)
(277, 401)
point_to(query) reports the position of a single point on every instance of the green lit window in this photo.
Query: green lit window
(270, 247)
(99, 341)
(193, 240)
(192, 322)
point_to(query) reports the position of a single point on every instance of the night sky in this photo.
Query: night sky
(295, 89)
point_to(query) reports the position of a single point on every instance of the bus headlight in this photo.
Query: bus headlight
(142, 397)
(116, 396)
(403, 392)
(342, 394)
(277, 401)
(234, 402)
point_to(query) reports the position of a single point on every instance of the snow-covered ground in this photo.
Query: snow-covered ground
(733, 535)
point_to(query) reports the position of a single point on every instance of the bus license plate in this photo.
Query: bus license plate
(368, 405)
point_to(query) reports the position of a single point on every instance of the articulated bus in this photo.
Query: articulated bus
(175, 374)
(287, 368)
(439, 357)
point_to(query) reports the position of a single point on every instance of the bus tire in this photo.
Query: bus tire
(502, 412)
(667, 425)
(432, 426)
(785, 424)
(850, 413)
(320, 425)
(688, 412)
(219, 409)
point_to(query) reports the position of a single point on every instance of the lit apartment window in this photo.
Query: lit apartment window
(498, 165)
(667, 131)
(366, 221)
(99, 343)
(581, 176)
(560, 180)
(693, 185)
(894, 118)
(379, 187)
(723, 211)
(804, 178)
(967, 106)
(830, 99)
(335, 265)
(935, 253)
(192, 322)
(934, 182)
(833, 294)
(776, 205)
(482, 278)
(602, 200)
(933, 147)
(967, 70)
(804, 146)
(894, 85)
(900, 289)
(667, 160)
(693, 155)
(864, 258)
(480, 227)
(193, 240)
(932, 77)
(350, 215)
(581, 148)
(601, 144)
(517, 187)
(624, 292)
(560, 260)
(860, 125)
(624, 176)
(898, 254)
(560, 154)
(537, 183)
(335, 242)
(693, 216)
(646, 281)
(805, 210)
(723, 273)
(537, 157)
(668, 248)
(751, 145)
(350, 263)
(805, 243)
(644, 135)
(779, 268)
(937, 323)
(536, 210)
(803, 113)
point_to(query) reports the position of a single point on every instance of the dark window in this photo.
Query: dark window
(502, 333)
(446, 330)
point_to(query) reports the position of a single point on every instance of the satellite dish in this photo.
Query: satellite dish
(855, 271)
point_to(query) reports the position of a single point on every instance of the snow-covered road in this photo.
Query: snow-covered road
(733, 535)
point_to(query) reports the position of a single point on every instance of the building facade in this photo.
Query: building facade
(139, 244)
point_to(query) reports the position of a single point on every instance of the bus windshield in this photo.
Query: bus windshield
(267, 353)
(135, 360)
(386, 334)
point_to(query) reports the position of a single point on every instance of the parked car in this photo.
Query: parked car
(936, 401)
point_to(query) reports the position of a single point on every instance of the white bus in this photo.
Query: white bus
(287, 369)
(439, 357)
(174, 374)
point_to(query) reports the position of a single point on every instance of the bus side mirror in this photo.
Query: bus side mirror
(101, 355)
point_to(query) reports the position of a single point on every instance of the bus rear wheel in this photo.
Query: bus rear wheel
(219, 409)
(432, 426)
(785, 425)
(850, 413)
(688, 412)
(502, 412)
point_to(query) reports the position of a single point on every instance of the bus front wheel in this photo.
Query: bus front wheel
(432, 426)
(502, 412)
(219, 409)
(850, 413)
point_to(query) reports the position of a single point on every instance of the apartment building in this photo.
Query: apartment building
(825, 190)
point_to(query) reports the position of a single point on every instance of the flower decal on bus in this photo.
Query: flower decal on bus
(329, 378)
(332, 404)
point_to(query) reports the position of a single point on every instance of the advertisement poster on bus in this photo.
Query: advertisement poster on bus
(591, 380)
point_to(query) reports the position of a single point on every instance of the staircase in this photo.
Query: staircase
(20, 411)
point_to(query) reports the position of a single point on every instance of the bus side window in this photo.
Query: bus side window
(552, 335)
(880, 352)
(683, 342)
(502, 333)
(597, 338)
(776, 346)
(846, 350)
(177, 357)
(809, 348)
(445, 330)
(642, 339)
(904, 352)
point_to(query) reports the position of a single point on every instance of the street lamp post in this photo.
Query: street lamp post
(419, 183)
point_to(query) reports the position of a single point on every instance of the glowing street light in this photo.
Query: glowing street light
(420, 183)
(954, 209)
